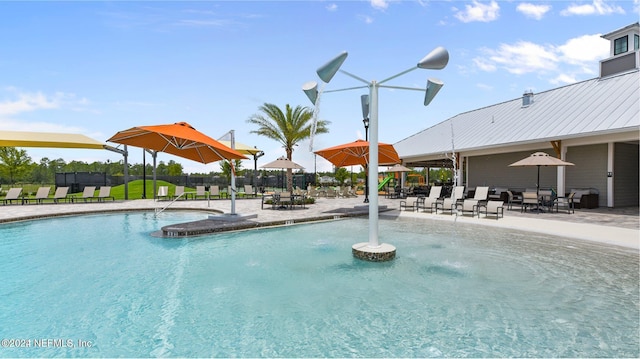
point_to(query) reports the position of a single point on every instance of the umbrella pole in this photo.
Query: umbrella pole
(538, 191)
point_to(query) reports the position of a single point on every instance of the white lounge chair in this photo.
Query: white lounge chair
(202, 192)
(61, 194)
(41, 195)
(163, 192)
(468, 206)
(88, 194)
(430, 202)
(105, 193)
(13, 194)
(449, 204)
(214, 191)
(248, 191)
(179, 192)
(492, 207)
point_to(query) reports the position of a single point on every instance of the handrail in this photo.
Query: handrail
(158, 211)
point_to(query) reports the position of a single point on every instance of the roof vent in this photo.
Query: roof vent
(527, 98)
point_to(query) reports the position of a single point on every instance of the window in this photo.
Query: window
(620, 45)
(636, 42)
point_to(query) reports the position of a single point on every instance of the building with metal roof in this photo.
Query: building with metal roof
(594, 124)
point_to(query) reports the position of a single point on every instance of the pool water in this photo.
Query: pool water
(106, 287)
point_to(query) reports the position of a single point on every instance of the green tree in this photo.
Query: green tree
(14, 163)
(288, 128)
(225, 168)
(341, 175)
(174, 168)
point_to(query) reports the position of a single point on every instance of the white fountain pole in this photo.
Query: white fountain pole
(373, 166)
(436, 59)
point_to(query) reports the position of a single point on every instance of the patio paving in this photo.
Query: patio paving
(618, 226)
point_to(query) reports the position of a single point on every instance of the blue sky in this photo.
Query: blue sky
(100, 67)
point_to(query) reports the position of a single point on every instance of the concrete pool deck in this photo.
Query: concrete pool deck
(620, 227)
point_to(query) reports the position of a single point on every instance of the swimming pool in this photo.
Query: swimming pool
(101, 286)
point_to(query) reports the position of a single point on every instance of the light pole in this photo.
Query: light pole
(435, 60)
(366, 138)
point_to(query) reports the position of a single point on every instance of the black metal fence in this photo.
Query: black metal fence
(77, 181)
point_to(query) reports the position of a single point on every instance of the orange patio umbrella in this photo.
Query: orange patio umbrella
(357, 153)
(179, 139)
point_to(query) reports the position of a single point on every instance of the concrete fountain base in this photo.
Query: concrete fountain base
(382, 253)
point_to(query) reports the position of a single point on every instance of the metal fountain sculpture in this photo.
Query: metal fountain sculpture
(437, 59)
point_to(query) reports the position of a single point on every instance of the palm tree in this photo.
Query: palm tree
(289, 127)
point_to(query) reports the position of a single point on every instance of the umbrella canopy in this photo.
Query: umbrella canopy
(241, 147)
(540, 159)
(357, 153)
(47, 139)
(398, 168)
(179, 139)
(283, 163)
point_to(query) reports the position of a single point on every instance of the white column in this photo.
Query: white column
(610, 157)
(562, 170)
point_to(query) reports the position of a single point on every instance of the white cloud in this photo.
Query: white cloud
(366, 19)
(27, 102)
(484, 65)
(484, 87)
(379, 4)
(597, 7)
(520, 58)
(585, 49)
(563, 79)
(533, 10)
(479, 12)
(332, 7)
(564, 63)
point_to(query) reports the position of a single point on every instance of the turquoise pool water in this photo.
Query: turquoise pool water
(101, 286)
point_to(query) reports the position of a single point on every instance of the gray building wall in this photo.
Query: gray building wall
(590, 170)
(626, 183)
(494, 171)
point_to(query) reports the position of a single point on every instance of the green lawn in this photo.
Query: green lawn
(136, 189)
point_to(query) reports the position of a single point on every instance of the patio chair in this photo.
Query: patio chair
(283, 200)
(13, 194)
(214, 191)
(88, 194)
(105, 194)
(547, 198)
(411, 203)
(513, 199)
(392, 193)
(331, 193)
(179, 193)
(481, 194)
(163, 192)
(61, 194)
(492, 207)
(41, 195)
(202, 192)
(313, 192)
(565, 203)
(529, 199)
(248, 191)
(468, 206)
(449, 203)
(430, 202)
